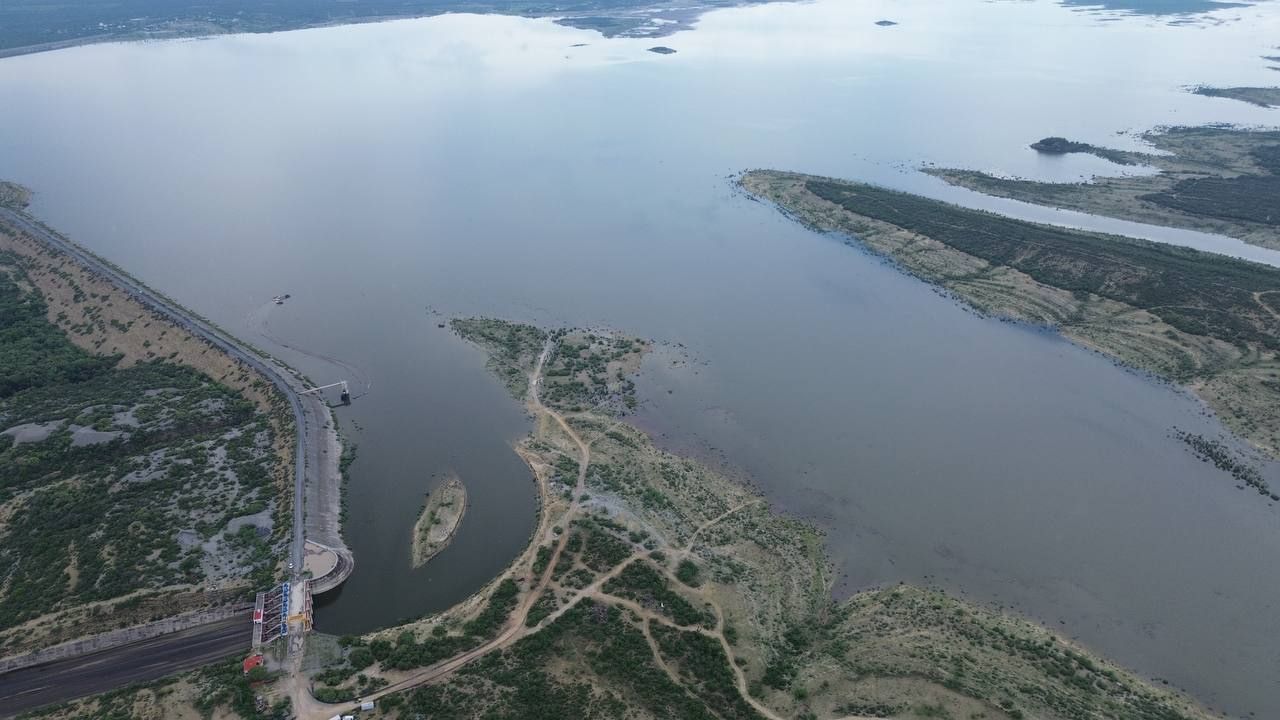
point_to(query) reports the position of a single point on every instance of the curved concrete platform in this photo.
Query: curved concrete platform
(329, 567)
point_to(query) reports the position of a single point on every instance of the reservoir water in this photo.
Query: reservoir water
(389, 176)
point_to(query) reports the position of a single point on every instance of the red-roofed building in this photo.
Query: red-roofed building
(251, 662)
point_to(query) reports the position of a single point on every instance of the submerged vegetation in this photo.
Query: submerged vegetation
(1225, 458)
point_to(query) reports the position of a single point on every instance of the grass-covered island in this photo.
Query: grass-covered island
(439, 520)
(1212, 179)
(1207, 321)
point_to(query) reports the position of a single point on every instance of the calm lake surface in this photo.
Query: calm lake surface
(390, 176)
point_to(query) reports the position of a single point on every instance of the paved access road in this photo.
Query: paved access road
(316, 461)
(185, 320)
(61, 680)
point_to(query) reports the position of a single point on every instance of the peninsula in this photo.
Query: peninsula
(1267, 97)
(654, 587)
(1209, 322)
(1211, 179)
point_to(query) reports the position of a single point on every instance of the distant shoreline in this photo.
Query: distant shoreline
(627, 21)
(208, 31)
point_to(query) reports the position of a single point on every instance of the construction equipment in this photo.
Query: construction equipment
(345, 396)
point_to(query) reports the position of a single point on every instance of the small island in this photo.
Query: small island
(662, 50)
(1061, 146)
(439, 520)
(886, 23)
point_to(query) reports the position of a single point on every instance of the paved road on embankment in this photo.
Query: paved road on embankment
(62, 680)
(312, 418)
(310, 414)
(185, 320)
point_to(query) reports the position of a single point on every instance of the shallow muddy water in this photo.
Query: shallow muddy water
(389, 176)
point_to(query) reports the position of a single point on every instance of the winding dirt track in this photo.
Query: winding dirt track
(308, 708)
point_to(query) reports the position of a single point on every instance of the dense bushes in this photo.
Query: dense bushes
(1268, 158)
(495, 612)
(602, 550)
(1252, 198)
(1197, 292)
(224, 684)
(34, 352)
(101, 519)
(619, 674)
(688, 573)
(408, 652)
(702, 661)
(640, 582)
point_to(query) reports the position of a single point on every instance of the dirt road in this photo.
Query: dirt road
(309, 709)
